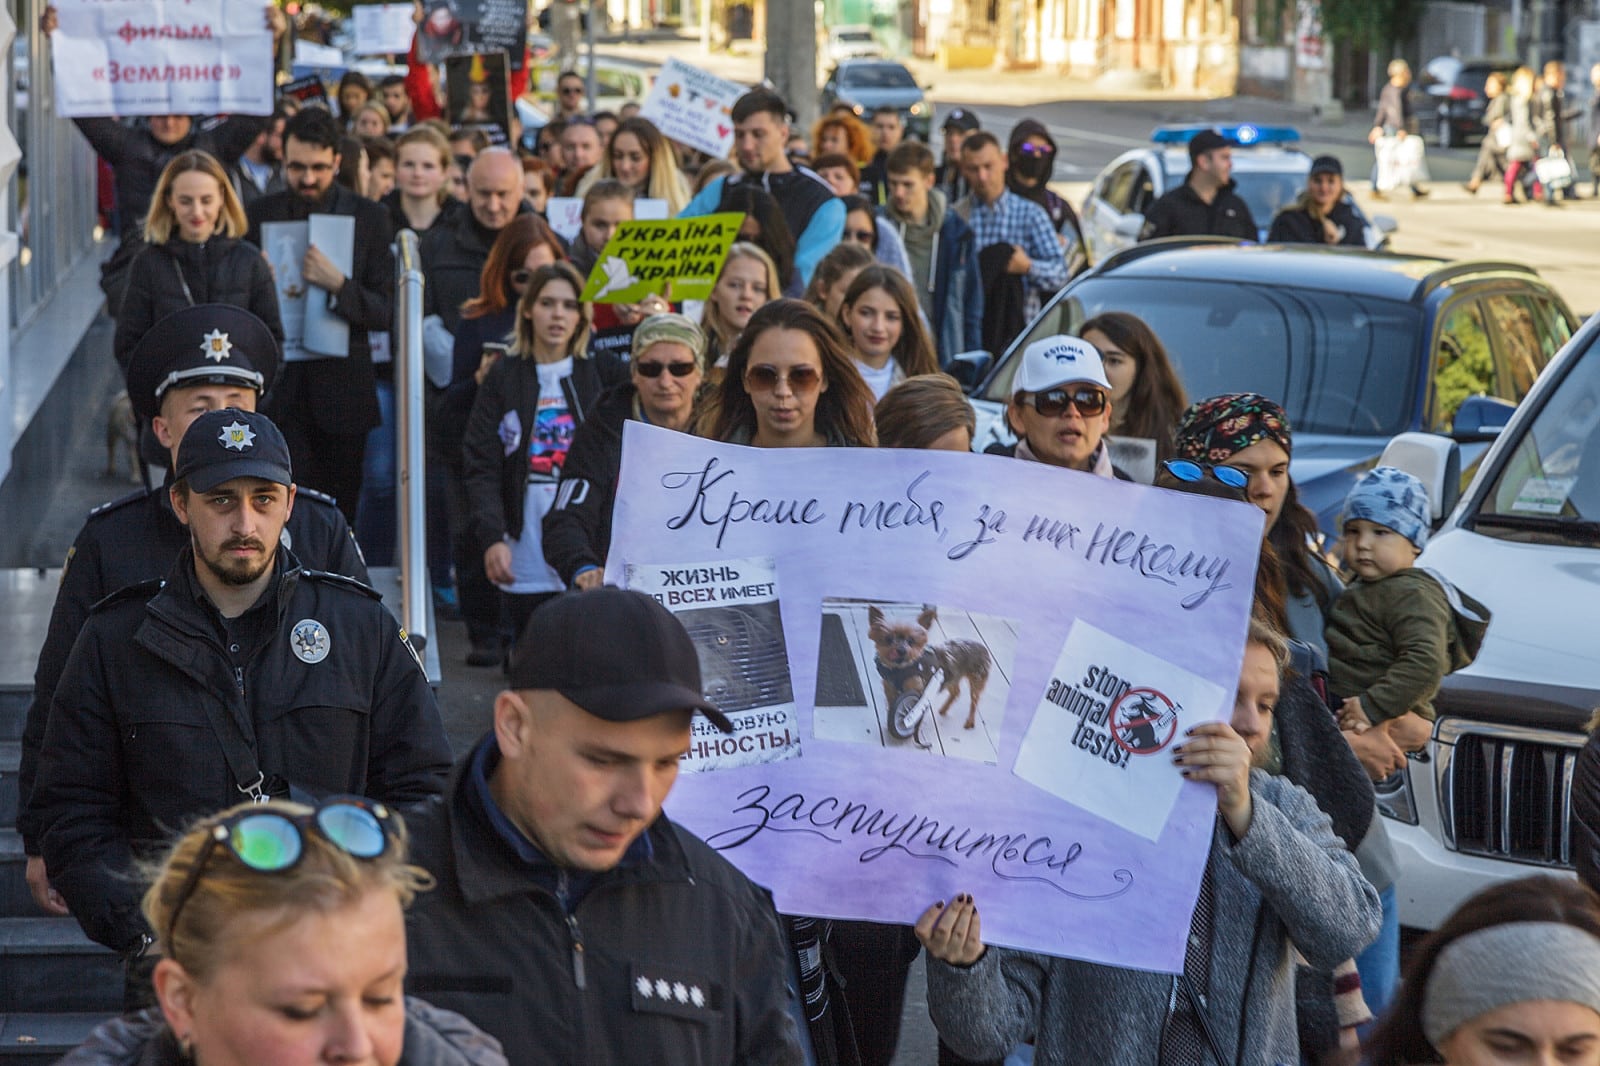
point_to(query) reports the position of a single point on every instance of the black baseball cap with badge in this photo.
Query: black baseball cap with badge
(616, 653)
(207, 344)
(959, 118)
(227, 444)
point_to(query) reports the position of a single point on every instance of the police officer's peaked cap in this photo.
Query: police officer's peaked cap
(222, 445)
(208, 344)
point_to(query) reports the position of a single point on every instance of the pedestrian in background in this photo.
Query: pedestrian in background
(747, 282)
(881, 320)
(928, 412)
(833, 277)
(1491, 163)
(1031, 155)
(257, 904)
(419, 200)
(1394, 137)
(1512, 975)
(949, 178)
(1553, 119)
(765, 227)
(1594, 130)
(843, 134)
(939, 247)
(640, 157)
(1522, 147)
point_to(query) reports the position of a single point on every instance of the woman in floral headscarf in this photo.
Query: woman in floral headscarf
(1250, 432)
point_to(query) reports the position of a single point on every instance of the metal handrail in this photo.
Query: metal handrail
(410, 474)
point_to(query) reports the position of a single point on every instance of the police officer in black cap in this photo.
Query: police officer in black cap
(241, 674)
(194, 360)
(1208, 202)
(957, 124)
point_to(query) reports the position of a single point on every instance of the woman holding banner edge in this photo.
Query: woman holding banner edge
(1278, 880)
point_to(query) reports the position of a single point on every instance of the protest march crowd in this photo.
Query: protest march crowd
(235, 773)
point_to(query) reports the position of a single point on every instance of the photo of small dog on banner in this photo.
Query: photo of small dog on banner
(917, 676)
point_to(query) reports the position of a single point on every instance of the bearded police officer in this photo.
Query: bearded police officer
(194, 360)
(573, 920)
(241, 674)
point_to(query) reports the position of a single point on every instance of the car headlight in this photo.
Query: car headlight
(918, 108)
(858, 109)
(1395, 799)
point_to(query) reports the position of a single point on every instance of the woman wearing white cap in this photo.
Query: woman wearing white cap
(1513, 976)
(1060, 408)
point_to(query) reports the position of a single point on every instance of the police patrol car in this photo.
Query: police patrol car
(1269, 169)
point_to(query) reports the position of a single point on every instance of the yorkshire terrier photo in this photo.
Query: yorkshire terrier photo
(906, 661)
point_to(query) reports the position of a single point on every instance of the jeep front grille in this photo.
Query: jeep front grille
(1505, 792)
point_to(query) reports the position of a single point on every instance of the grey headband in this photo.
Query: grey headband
(1513, 963)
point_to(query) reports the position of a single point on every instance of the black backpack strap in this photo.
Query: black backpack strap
(236, 749)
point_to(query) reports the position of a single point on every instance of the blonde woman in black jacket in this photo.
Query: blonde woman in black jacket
(196, 254)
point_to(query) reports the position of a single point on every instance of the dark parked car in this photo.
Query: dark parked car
(1448, 97)
(868, 84)
(1358, 346)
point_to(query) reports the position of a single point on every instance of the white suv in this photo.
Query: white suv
(1490, 798)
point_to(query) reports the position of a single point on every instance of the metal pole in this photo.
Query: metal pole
(410, 468)
(596, 12)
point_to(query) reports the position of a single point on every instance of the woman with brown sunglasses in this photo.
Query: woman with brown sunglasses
(791, 383)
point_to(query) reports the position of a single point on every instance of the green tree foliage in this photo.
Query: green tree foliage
(1371, 24)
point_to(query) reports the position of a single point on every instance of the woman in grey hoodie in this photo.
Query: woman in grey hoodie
(1278, 880)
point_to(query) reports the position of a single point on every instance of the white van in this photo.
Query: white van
(1490, 797)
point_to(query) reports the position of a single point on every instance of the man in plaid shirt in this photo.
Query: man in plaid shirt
(999, 216)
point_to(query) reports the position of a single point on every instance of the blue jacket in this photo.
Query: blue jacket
(957, 324)
(818, 230)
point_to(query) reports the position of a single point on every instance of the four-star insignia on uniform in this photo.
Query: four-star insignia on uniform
(216, 345)
(237, 436)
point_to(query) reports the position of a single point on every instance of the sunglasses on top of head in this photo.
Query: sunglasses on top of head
(1187, 470)
(1053, 402)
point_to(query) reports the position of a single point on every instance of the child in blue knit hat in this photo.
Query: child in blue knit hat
(1398, 629)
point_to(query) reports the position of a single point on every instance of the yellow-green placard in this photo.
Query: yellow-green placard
(641, 258)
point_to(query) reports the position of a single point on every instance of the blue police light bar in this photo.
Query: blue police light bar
(1243, 133)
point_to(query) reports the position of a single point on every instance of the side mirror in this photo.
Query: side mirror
(1433, 460)
(1481, 417)
(969, 368)
(1129, 226)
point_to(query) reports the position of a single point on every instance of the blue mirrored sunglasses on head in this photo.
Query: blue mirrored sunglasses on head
(1186, 470)
(273, 841)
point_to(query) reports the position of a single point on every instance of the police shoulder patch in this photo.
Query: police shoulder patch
(141, 590)
(342, 581)
(121, 501)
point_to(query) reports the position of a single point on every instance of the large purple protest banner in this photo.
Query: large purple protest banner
(948, 673)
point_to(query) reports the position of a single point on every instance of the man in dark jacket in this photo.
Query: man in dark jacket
(1206, 203)
(951, 181)
(173, 379)
(453, 254)
(138, 155)
(240, 675)
(939, 243)
(326, 405)
(572, 919)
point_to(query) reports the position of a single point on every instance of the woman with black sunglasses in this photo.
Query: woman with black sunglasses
(1060, 408)
(282, 936)
(665, 372)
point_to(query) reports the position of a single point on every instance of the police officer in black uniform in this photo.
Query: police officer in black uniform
(242, 674)
(194, 360)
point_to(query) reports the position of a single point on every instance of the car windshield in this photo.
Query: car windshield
(854, 36)
(878, 76)
(1552, 477)
(1268, 192)
(1339, 364)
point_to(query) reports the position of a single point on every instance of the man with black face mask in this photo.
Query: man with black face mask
(326, 406)
(1032, 154)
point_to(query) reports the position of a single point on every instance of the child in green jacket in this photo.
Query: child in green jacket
(1398, 629)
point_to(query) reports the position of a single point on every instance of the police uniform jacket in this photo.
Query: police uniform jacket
(1181, 213)
(613, 977)
(177, 274)
(134, 540)
(496, 481)
(131, 755)
(341, 395)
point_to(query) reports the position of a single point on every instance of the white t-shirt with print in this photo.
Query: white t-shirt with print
(545, 444)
